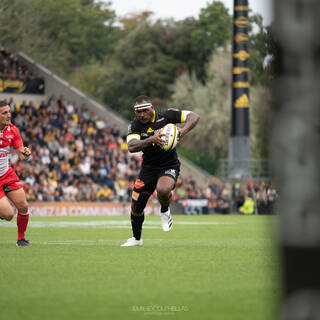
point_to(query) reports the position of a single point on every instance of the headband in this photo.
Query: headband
(142, 106)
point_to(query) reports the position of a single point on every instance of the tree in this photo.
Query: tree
(214, 30)
(132, 20)
(150, 55)
(215, 24)
(62, 34)
(262, 50)
(141, 66)
(212, 101)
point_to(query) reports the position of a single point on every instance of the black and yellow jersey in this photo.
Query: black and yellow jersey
(154, 156)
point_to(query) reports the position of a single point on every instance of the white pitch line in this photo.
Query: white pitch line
(201, 223)
(75, 225)
(107, 224)
(79, 242)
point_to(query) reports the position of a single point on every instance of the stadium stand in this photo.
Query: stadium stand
(80, 155)
(17, 78)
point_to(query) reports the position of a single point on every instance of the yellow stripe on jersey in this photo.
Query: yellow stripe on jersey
(154, 117)
(133, 136)
(184, 114)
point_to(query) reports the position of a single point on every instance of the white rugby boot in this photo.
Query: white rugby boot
(166, 220)
(132, 242)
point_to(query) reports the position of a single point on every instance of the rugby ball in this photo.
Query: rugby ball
(170, 136)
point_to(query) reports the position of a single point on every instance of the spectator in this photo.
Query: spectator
(248, 205)
(272, 197)
(72, 150)
(262, 200)
(25, 81)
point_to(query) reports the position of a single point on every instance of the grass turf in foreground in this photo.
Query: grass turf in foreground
(227, 270)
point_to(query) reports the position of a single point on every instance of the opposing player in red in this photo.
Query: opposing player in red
(10, 185)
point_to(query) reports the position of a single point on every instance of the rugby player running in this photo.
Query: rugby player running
(160, 169)
(10, 185)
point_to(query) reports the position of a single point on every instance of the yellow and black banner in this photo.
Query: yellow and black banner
(240, 70)
(34, 85)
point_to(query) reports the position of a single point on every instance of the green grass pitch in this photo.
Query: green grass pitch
(207, 267)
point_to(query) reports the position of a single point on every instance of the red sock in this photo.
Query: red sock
(22, 223)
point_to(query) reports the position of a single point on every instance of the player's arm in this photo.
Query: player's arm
(134, 141)
(190, 119)
(24, 153)
(136, 145)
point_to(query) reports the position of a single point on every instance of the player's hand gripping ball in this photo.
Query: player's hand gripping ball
(170, 136)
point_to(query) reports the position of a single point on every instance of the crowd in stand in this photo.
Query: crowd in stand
(230, 197)
(15, 77)
(78, 156)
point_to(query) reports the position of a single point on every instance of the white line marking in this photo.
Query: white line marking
(201, 223)
(81, 242)
(114, 224)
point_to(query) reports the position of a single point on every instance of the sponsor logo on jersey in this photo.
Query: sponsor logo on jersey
(3, 155)
(139, 184)
(135, 195)
(161, 119)
(171, 172)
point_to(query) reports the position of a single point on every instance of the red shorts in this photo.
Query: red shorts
(8, 182)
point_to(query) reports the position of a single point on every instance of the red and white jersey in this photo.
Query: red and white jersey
(9, 137)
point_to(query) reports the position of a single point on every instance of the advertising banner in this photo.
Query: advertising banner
(194, 206)
(86, 209)
(34, 85)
